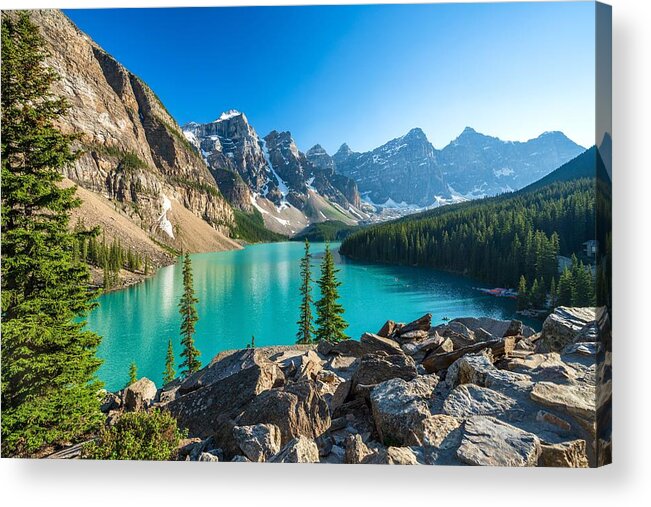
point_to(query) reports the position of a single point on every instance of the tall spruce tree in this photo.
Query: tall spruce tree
(329, 311)
(169, 374)
(189, 318)
(49, 387)
(305, 327)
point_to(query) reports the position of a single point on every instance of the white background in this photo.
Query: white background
(626, 482)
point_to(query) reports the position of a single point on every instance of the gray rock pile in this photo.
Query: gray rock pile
(468, 392)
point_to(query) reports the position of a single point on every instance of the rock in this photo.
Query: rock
(373, 343)
(400, 456)
(298, 450)
(421, 324)
(432, 342)
(400, 407)
(497, 328)
(467, 400)
(389, 328)
(356, 450)
(324, 348)
(489, 442)
(544, 367)
(417, 335)
(565, 454)
(436, 362)
(515, 328)
(110, 401)
(374, 369)
(446, 346)
(481, 335)
(240, 459)
(588, 349)
(223, 366)
(258, 442)
(478, 369)
(208, 456)
(332, 388)
(576, 400)
(297, 410)
(351, 348)
(309, 366)
(562, 327)
(437, 430)
(211, 409)
(139, 395)
(549, 418)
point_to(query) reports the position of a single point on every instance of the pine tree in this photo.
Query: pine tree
(523, 295)
(305, 326)
(133, 374)
(565, 287)
(49, 387)
(329, 320)
(553, 294)
(169, 374)
(189, 318)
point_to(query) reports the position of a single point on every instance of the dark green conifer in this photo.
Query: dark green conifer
(305, 327)
(331, 324)
(189, 318)
(49, 387)
(169, 374)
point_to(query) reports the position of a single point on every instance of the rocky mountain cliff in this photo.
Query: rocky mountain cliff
(289, 188)
(409, 171)
(404, 170)
(477, 165)
(134, 154)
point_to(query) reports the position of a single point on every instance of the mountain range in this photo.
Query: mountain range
(162, 189)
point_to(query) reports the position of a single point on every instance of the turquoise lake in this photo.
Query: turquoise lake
(254, 292)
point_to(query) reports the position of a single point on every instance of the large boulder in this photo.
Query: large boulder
(373, 343)
(576, 400)
(439, 431)
(298, 450)
(210, 408)
(563, 326)
(258, 442)
(223, 365)
(297, 410)
(139, 395)
(570, 454)
(400, 409)
(374, 369)
(489, 442)
(478, 369)
(467, 400)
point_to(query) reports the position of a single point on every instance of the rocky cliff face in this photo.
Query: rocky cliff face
(404, 170)
(410, 171)
(337, 187)
(134, 153)
(477, 165)
(272, 175)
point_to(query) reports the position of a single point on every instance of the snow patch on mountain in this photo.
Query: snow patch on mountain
(164, 222)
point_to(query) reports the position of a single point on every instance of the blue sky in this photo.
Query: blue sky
(366, 74)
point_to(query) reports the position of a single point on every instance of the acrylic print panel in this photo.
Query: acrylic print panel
(372, 234)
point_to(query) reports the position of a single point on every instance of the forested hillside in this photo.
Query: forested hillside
(497, 239)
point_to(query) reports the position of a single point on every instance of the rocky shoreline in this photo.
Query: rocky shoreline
(469, 392)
